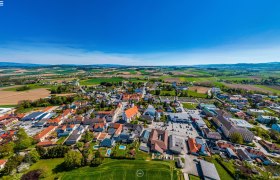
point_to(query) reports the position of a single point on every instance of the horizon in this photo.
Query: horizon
(158, 33)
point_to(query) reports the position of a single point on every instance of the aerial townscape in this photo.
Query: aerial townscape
(125, 122)
(139, 90)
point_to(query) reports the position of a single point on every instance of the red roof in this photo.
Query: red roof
(3, 161)
(131, 112)
(44, 132)
(192, 145)
(47, 109)
(99, 125)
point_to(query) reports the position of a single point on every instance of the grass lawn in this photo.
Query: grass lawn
(167, 93)
(195, 94)
(189, 105)
(124, 169)
(221, 171)
(95, 81)
(193, 177)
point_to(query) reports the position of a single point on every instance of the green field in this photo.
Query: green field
(192, 177)
(112, 169)
(124, 169)
(31, 86)
(221, 171)
(189, 105)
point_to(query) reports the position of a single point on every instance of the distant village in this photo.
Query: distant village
(130, 120)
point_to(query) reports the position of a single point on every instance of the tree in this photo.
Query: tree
(13, 162)
(236, 138)
(7, 149)
(73, 159)
(32, 157)
(88, 136)
(23, 141)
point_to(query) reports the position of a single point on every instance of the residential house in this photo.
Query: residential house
(76, 135)
(267, 119)
(243, 155)
(107, 142)
(271, 147)
(198, 146)
(158, 140)
(255, 112)
(99, 127)
(45, 133)
(131, 114)
(115, 129)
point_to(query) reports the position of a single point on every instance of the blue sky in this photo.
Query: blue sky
(140, 32)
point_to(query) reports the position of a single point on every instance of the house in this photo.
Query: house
(131, 114)
(45, 133)
(158, 140)
(200, 124)
(99, 127)
(115, 129)
(223, 145)
(207, 133)
(101, 136)
(2, 163)
(209, 171)
(222, 120)
(231, 153)
(65, 130)
(135, 129)
(107, 142)
(193, 149)
(266, 119)
(253, 153)
(276, 127)
(243, 155)
(176, 144)
(145, 136)
(198, 146)
(76, 135)
(271, 147)
(236, 99)
(151, 111)
(255, 112)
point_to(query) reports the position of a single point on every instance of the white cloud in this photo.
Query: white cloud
(56, 54)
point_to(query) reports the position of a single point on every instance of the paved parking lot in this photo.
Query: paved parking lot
(27, 126)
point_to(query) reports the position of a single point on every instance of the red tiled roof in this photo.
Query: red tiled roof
(131, 112)
(192, 145)
(44, 132)
(99, 125)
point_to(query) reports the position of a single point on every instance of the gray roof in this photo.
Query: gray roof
(176, 144)
(209, 170)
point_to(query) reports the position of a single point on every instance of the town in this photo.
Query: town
(149, 126)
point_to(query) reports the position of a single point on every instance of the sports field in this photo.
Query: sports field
(125, 169)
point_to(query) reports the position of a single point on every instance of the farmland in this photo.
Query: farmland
(13, 97)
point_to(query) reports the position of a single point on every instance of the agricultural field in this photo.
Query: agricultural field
(13, 97)
(199, 89)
